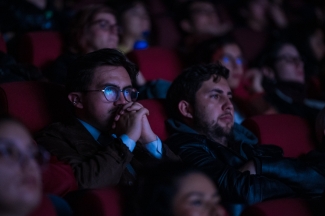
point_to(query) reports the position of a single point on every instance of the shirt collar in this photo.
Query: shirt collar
(92, 130)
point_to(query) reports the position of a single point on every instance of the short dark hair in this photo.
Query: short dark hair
(80, 73)
(189, 82)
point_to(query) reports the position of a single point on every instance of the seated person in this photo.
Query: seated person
(205, 136)
(109, 136)
(12, 71)
(174, 189)
(93, 27)
(246, 86)
(135, 25)
(20, 175)
(286, 87)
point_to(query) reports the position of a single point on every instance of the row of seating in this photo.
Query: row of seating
(38, 103)
(43, 47)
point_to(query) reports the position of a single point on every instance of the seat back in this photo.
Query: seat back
(292, 133)
(36, 104)
(40, 48)
(157, 116)
(279, 207)
(157, 63)
(3, 46)
(46, 207)
(58, 178)
(99, 202)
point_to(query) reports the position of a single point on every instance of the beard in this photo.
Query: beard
(211, 129)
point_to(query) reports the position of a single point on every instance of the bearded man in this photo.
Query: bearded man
(205, 136)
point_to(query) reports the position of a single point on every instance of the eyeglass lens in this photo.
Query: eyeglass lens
(9, 152)
(113, 93)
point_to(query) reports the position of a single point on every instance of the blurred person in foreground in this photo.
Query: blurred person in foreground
(20, 175)
(174, 189)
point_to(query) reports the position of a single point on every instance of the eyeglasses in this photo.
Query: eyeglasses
(105, 25)
(10, 152)
(290, 59)
(227, 59)
(112, 93)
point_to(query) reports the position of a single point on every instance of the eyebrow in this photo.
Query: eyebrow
(110, 84)
(220, 91)
(195, 193)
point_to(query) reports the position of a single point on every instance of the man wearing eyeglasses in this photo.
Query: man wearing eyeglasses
(110, 129)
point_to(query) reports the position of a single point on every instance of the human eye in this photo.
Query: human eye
(239, 61)
(103, 24)
(215, 96)
(196, 202)
(225, 59)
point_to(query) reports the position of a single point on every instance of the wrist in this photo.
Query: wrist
(148, 138)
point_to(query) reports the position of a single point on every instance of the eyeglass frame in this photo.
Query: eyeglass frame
(41, 156)
(111, 28)
(119, 91)
(290, 59)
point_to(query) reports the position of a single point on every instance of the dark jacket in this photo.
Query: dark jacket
(275, 176)
(94, 165)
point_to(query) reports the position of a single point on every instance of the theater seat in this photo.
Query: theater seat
(45, 208)
(157, 116)
(3, 46)
(36, 104)
(279, 207)
(58, 178)
(292, 133)
(99, 202)
(157, 63)
(40, 48)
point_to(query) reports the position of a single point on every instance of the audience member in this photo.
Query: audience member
(309, 40)
(93, 27)
(135, 23)
(205, 136)
(174, 189)
(20, 179)
(258, 21)
(21, 16)
(11, 71)
(199, 20)
(287, 91)
(110, 134)
(246, 87)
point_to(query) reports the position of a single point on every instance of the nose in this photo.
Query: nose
(227, 105)
(26, 162)
(121, 100)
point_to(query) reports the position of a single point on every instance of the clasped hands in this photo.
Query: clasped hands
(131, 119)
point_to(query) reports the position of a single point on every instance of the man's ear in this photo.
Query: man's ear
(76, 99)
(186, 26)
(185, 109)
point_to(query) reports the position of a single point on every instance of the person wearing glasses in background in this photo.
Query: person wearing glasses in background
(93, 27)
(285, 83)
(109, 137)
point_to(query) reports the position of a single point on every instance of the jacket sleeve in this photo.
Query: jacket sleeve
(94, 167)
(298, 174)
(234, 186)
